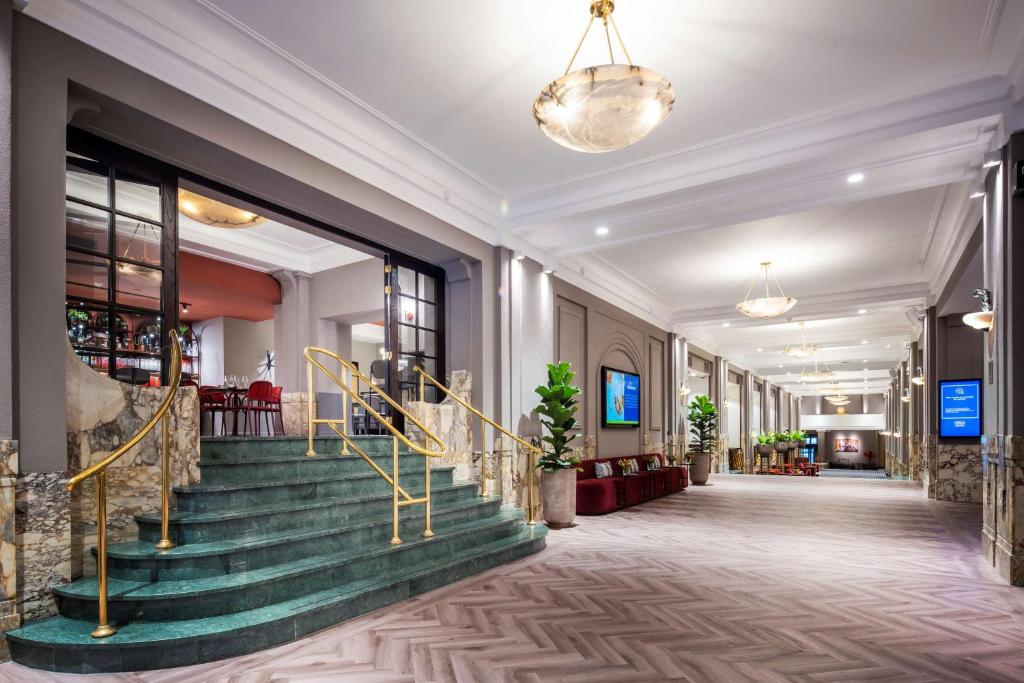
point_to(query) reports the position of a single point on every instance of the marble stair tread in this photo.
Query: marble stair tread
(258, 485)
(144, 550)
(330, 457)
(72, 633)
(120, 589)
(186, 517)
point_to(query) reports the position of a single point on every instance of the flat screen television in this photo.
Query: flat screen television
(960, 408)
(620, 398)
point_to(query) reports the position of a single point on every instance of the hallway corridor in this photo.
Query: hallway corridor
(752, 578)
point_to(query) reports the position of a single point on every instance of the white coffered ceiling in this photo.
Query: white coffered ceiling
(777, 102)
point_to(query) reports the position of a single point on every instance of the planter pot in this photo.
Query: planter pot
(764, 449)
(782, 447)
(558, 496)
(700, 468)
(793, 445)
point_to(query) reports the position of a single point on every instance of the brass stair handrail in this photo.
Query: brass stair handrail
(98, 470)
(350, 391)
(531, 450)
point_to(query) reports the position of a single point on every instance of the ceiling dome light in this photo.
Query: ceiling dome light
(607, 107)
(216, 214)
(767, 306)
(802, 350)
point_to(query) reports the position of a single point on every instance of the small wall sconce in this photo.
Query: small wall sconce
(983, 319)
(918, 377)
(905, 396)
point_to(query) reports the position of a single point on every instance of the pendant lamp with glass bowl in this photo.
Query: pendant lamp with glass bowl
(605, 107)
(767, 306)
(803, 349)
(983, 319)
(816, 375)
(214, 213)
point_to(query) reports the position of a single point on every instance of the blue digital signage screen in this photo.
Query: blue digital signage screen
(621, 398)
(960, 408)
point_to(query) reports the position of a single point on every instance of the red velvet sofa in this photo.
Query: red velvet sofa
(600, 496)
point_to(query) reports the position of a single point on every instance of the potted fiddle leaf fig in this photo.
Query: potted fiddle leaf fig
(558, 463)
(703, 419)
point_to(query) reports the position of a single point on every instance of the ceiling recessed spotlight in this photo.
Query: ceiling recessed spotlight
(726, 324)
(855, 178)
(862, 311)
(759, 349)
(548, 271)
(977, 195)
(888, 346)
(863, 341)
(518, 256)
(602, 231)
(780, 365)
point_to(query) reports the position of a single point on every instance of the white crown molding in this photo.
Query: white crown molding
(174, 42)
(610, 284)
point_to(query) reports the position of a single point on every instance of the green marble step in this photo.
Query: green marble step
(203, 527)
(206, 498)
(140, 561)
(218, 448)
(63, 644)
(133, 601)
(232, 471)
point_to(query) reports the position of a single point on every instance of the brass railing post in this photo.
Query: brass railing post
(530, 505)
(483, 471)
(427, 533)
(165, 542)
(345, 417)
(103, 629)
(423, 396)
(395, 540)
(310, 452)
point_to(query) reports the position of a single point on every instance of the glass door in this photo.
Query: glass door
(414, 301)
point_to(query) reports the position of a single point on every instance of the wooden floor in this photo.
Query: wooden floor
(751, 579)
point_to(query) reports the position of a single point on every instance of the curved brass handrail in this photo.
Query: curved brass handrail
(99, 470)
(531, 449)
(165, 406)
(354, 395)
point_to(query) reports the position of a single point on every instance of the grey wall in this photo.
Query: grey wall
(592, 333)
(959, 354)
(6, 275)
(353, 293)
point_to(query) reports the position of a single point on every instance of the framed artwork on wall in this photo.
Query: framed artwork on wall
(845, 445)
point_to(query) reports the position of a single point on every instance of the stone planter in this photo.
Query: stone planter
(558, 496)
(764, 449)
(700, 468)
(793, 445)
(782, 447)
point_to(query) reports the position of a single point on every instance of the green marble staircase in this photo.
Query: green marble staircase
(272, 546)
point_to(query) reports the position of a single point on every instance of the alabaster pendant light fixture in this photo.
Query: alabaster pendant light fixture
(801, 350)
(606, 107)
(981, 320)
(769, 305)
(214, 213)
(817, 375)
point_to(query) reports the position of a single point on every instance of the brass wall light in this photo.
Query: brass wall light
(983, 319)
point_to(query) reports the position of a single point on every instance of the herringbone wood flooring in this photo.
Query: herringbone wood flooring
(751, 579)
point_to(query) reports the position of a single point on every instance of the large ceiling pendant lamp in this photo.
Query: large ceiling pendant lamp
(767, 306)
(606, 107)
(217, 214)
(803, 349)
(817, 375)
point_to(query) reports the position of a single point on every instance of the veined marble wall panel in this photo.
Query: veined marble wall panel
(958, 473)
(43, 538)
(103, 413)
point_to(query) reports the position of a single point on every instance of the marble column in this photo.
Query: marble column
(9, 617)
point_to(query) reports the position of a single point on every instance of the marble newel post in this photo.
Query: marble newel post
(9, 617)
(451, 423)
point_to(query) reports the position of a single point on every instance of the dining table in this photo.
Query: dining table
(234, 397)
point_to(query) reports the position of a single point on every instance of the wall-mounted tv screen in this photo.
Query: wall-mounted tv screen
(620, 398)
(960, 408)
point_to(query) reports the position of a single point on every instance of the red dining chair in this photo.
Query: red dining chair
(214, 402)
(256, 404)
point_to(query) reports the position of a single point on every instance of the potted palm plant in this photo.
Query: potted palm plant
(558, 416)
(703, 419)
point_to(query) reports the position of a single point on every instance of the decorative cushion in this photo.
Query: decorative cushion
(653, 463)
(629, 466)
(602, 469)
